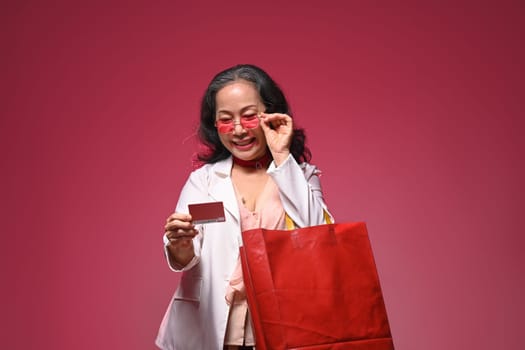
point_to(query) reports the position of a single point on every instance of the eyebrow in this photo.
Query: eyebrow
(242, 109)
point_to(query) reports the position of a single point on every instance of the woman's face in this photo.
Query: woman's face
(236, 102)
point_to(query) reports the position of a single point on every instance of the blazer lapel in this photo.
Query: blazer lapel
(222, 187)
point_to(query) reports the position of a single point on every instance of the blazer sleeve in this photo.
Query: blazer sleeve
(300, 191)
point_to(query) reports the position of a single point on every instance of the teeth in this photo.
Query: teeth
(243, 143)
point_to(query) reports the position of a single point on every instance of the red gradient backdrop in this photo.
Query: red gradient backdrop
(414, 112)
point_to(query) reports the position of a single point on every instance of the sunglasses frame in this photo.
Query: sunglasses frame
(226, 128)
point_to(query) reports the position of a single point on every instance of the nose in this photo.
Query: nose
(238, 129)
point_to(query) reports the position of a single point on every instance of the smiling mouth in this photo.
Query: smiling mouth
(244, 143)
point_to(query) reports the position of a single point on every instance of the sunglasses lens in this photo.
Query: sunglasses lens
(224, 128)
(250, 122)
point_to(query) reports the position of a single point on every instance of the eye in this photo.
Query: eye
(249, 116)
(225, 121)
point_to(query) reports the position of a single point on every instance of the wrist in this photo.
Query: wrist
(280, 157)
(180, 255)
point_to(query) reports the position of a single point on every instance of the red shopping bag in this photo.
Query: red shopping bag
(314, 288)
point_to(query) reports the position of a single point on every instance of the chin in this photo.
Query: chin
(248, 155)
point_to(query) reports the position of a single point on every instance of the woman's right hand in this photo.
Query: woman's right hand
(180, 231)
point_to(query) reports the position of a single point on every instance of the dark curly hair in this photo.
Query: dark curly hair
(272, 97)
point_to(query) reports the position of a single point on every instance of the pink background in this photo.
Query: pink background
(413, 111)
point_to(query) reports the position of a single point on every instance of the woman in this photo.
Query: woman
(256, 164)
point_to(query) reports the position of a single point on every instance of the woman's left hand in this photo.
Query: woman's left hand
(278, 130)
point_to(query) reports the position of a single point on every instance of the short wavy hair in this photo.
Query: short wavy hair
(272, 97)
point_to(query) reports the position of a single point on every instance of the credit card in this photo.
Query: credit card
(204, 213)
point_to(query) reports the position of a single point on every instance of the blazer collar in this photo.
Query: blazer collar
(222, 189)
(223, 168)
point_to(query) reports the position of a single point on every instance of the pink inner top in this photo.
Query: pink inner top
(269, 214)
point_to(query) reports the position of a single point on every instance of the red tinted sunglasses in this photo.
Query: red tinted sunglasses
(226, 126)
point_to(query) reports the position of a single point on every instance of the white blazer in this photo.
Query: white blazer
(197, 314)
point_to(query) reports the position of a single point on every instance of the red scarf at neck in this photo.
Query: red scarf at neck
(260, 163)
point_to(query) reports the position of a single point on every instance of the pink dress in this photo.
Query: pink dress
(269, 214)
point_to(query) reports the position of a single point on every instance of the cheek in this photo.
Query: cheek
(224, 139)
(259, 134)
